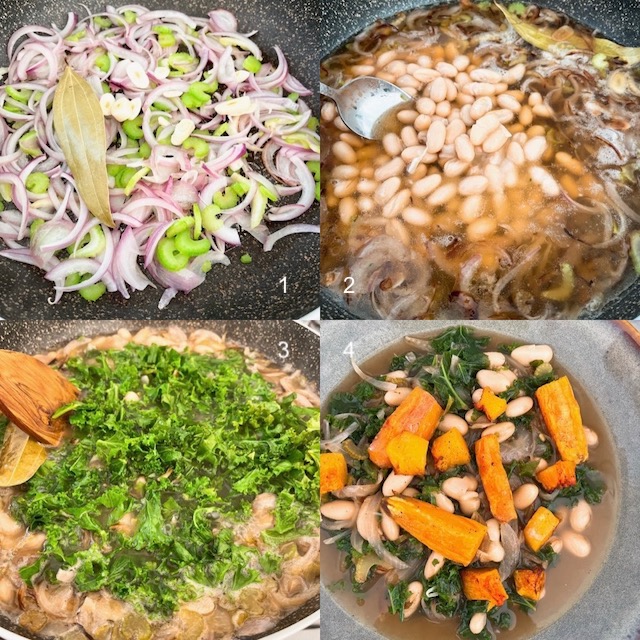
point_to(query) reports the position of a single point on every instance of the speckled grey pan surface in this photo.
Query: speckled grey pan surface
(238, 291)
(617, 19)
(607, 364)
(264, 336)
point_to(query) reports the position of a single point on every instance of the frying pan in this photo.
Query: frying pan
(617, 20)
(606, 364)
(238, 291)
(303, 346)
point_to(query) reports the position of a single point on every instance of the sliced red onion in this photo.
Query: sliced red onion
(287, 231)
(126, 265)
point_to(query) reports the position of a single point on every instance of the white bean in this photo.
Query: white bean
(455, 487)
(580, 516)
(515, 73)
(469, 503)
(444, 503)
(483, 128)
(496, 359)
(409, 136)
(423, 122)
(407, 116)
(515, 153)
(427, 185)
(392, 144)
(397, 203)
(504, 430)
(442, 195)
(480, 229)
(425, 75)
(344, 153)
(394, 397)
(591, 436)
(411, 492)
(509, 102)
(446, 69)
(494, 553)
(387, 190)
(481, 107)
(478, 622)
(525, 495)
(519, 407)
(496, 140)
(452, 90)
(438, 90)
(455, 129)
(492, 379)
(9, 527)
(347, 210)
(417, 217)
(395, 484)
(413, 601)
(7, 591)
(460, 62)
(485, 75)
(390, 527)
(529, 352)
(435, 562)
(385, 58)
(542, 111)
(556, 544)
(464, 148)
(493, 530)
(436, 136)
(454, 168)
(546, 181)
(471, 208)
(328, 111)
(504, 115)
(576, 544)
(534, 148)
(473, 186)
(476, 395)
(535, 99)
(443, 110)
(452, 421)
(392, 168)
(479, 89)
(339, 510)
(426, 106)
(367, 187)
(465, 115)
(509, 375)
(345, 172)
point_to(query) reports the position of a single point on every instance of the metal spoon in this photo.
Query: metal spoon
(364, 102)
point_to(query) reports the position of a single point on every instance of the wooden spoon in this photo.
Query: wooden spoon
(30, 393)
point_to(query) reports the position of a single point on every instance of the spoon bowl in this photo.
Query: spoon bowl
(364, 102)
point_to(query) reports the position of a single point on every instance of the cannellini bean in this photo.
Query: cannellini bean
(525, 117)
(519, 407)
(442, 195)
(534, 148)
(9, 527)
(413, 152)
(395, 484)
(580, 516)
(492, 379)
(363, 70)
(131, 396)
(483, 128)
(469, 503)
(465, 115)
(367, 187)
(411, 492)
(460, 62)
(455, 487)
(417, 217)
(496, 359)
(345, 172)
(392, 144)
(409, 136)
(426, 106)
(389, 527)
(556, 544)
(435, 562)
(7, 591)
(493, 530)
(339, 123)
(422, 122)
(461, 79)
(576, 544)
(397, 203)
(473, 185)
(392, 168)
(387, 190)
(443, 109)
(535, 99)
(476, 395)
(452, 90)
(452, 421)
(515, 73)
(395, 396)
(464, 148)
(438, 90)
(568, 162)
(485, 75)
(504, 115)
(496, 140)
(504, 430)
(345, 188)
(529, 352)
(425, 61)
(328, 111)
(408, 82)
(339, 510)
(348, 210)
(422, 188)
(413, 601)
(542, 464)
(546, 181)
(494, 553)
(591, 437)
(426, 75)
(478, 622)
(515, 153)
(453, 168)
(455, 129)
(480, 89)
(481, 107)
(407, 116)
(446, 69)
(444, 503)
(509, 375)
(343, 152)
(481, 228)
(509, 102)
(393, 375)
(385, 58)
(525, 495)
(542, 111)
(436, 136)
(471, 208)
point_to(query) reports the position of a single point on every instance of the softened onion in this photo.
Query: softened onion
(378, 384)
(360, 490)
(511, 546)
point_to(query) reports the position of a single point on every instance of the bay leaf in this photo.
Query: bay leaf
(631, 55)
(20, 457)
(79, 127)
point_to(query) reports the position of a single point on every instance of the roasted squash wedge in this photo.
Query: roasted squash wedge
(484, 584)
(530, 582)
(450, 450)
(333, 472)
(540, 528)
(558, 475)
(491, 404)
(408, 454)
(494, 478)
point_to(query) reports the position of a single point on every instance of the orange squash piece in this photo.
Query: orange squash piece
(450, 450)
(484, 584)
(558, 475)
(540, 528)
(418, 413)
(530, 582)
(561, 414)
(491, 405)
(455, 537)
(408, 454)
(494, 478)
(333, 472)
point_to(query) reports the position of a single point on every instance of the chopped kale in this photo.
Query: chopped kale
(398, 595)
(589, 485)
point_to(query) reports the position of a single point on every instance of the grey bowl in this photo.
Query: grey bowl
(264, 336)
(606, 362)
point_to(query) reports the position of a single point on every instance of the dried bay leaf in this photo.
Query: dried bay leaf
(543, 38)
(79, 126)
(20, 457)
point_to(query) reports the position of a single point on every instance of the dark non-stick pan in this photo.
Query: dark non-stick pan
(617, 20)
(239, 290)
(266, 337)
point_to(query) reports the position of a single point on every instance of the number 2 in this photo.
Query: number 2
(348, 288)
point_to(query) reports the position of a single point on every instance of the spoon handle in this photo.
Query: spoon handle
(328, 91)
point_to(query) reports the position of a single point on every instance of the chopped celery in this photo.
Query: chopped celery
(180, 225)
(563, 291)
(206, 267)
(144, 151)
(21, 95)
(190, 247)
(132, 128)
(166, 40)
(72, 279)
(169, 256)
(103, 62)
(199, 147)
(134, 179)
(197, 221)
(102, 22)
(114, 169)
(181, 62)
(130, 16)
(210, 220)
(124, 176)
(93, 291)
(245, 258)
(37, 182)
(313, 123)
(225, 199)
(518, 8)
(293, 97)
(75, 37)
(635, 251)
(92, 245)
(252, 64)
(35, 225)
(28, 144)
(221, 130)
(158, 106)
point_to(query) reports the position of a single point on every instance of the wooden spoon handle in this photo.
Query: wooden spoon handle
(30, 393)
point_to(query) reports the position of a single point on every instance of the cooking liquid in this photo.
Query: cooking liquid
(566, 581)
